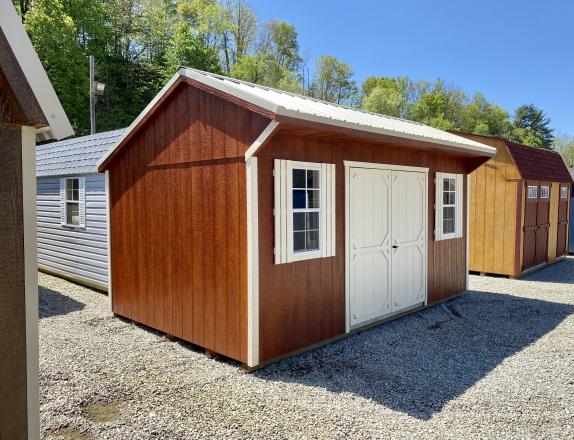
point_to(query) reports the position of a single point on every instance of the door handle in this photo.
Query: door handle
(395, 246)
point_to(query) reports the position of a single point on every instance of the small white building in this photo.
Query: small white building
(71, 206)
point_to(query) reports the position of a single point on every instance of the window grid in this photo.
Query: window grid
(563, 192)
(544, 192)
(73, 201)
(306, 209)
(532, 191)
(449, 206)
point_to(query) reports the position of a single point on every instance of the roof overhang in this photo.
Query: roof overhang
(56, 125)
(223, 87)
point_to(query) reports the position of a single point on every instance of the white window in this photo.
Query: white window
(563, 192)
(532, 192)
(544, 192)
(304, 210)
(448, 206)
(72, 201)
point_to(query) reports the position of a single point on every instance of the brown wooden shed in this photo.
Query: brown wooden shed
(29, 110)
(519, 208)
(257, 223)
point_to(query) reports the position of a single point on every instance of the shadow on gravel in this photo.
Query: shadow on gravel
(52, 303)
(560, 272)
(417, 364)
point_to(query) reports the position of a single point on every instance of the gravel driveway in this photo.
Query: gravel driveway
(497, 362)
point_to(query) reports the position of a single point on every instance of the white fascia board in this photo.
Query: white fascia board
(38, 80)
(228, 86)
(463, 145)
(269, 130)
(142, 115)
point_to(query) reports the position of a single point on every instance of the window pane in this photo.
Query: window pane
(312, 240)
(532, 192)
(448, 226)
(299, 199)
(298, 178)
(73, 214)
(313, 195)
(448, 212)
(298, 241)
(564, 192)
(312, 220)
(76, 184)
(298, 221)
(312, 178)
(448, 198)
(452, 184)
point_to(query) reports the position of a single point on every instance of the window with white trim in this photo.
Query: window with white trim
(72, 201)
(563, 192)
(532, 192)
(448, 206)
(304, 210)
(544, 192)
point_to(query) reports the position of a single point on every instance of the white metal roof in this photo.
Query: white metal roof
(74, 156)
(11, 25)
(309, 109)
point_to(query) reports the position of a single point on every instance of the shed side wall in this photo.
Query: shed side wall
(178, 221)
(493, 214)
(302, 303)
(79, 253)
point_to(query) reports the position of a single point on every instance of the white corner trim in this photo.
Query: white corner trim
(109, 237)
(31, 279)
(467, 230)
(265, 134)
(252, 264)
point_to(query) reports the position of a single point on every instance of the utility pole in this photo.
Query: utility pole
(96, 88)
(92, 96)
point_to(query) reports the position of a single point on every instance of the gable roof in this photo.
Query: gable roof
(74, 156)
(276, 104)
(24, 62)
(532, 163)
(538, 163)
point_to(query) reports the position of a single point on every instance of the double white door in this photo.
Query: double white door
(387, 242)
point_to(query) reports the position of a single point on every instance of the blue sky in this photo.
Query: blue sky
(513, 52)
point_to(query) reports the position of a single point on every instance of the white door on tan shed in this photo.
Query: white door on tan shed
(387, 242)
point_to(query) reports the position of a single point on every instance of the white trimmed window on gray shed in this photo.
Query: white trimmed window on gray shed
(73, 201)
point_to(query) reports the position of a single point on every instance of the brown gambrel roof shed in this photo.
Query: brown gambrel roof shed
(519, 208)
(257, 223)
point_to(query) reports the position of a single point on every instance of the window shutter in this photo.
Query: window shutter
(62, 201)
(328, 202)
(460, 227)
(438, 207)
(280, 210)
(82, 207)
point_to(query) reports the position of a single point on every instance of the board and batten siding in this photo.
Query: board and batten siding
(77, 253)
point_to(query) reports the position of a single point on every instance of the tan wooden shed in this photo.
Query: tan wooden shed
(519, 209)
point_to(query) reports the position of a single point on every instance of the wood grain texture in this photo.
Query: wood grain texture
(178, 225)
(302, 303)
(13, 411)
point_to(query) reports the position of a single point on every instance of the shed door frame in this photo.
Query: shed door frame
(389, 167)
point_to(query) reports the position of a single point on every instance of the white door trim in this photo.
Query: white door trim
(252, 263)
(383, 166)
(353, 164)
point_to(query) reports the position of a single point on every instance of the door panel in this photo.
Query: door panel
(408, 239)
(561, 242)
(370, 244)
(543, 226)
(387, 239)
(530, 227)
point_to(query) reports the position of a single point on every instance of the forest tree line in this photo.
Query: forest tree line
(138, 45)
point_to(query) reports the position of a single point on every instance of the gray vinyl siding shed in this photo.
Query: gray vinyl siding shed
(79, 252)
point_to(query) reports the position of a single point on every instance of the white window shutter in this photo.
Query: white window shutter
(62, 201)
(328, 223)
(459, 199)
(280, 210)
(82, 207)
(438, 207)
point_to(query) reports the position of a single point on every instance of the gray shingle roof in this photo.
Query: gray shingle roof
(74, 156)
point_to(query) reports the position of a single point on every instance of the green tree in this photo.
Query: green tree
(240, 34)
(54, 35)
(564, 144)
(533, 126)
(333, 81)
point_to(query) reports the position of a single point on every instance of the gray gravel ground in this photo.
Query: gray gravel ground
(497, 362)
